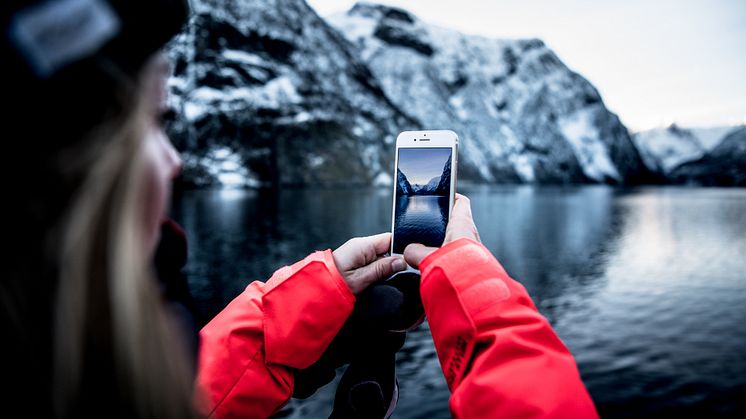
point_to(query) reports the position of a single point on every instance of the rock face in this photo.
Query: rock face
(270, 84)
(444, 182)
(522, 114)
(268, 93)
(725, 165)
(405, 188)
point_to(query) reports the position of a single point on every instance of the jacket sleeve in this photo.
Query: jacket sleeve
(500, 357)
(250, 349)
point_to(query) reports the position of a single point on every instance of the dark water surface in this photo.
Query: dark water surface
(420, 219)
(647, 287)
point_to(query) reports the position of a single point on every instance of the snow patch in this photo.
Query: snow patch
(224, 153)
(243, 57)
(178, 83)
(664, 149)
(281, 90)
(193, 111)
(711, 137)
(315, 161)
(275, 94)
(523, 167)
(231, 180)
(208, 94)
(591, 152)
(383, 179)
(302, 117)
(458, 106)
(354, 28)
(225, 165)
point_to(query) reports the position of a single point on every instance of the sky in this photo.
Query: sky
(420, 165)
(655, 62)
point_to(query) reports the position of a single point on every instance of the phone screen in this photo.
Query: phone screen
(422, 198)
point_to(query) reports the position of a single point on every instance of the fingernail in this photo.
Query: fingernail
(398, 264)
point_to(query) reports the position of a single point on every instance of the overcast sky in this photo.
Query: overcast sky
(654, 61)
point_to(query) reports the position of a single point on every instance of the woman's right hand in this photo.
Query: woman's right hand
(361, 261)
(460, 225)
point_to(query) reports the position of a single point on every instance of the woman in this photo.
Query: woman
(84, 322)
(87, 328)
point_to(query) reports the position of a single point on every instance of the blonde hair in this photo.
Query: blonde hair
(109, 314)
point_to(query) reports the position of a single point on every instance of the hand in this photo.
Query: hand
(361, 262)
(460, 225)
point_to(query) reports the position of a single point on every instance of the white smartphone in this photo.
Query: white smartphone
(424, 187)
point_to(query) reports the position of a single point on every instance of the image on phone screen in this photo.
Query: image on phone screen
(423, 189)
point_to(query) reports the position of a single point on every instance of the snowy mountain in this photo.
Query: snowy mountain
(267, 84)
(268, 93)
(433, 183)
(426, 189)
(724, 165)
(664, 149)
(438, 185)
(521, 113)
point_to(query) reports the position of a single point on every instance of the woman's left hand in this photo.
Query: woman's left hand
(361, 261)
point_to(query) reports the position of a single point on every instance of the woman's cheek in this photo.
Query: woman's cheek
(156, 190)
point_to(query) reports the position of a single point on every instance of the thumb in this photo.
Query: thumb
(415, 252)
(375, 271)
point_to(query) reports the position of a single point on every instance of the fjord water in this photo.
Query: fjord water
(647, 287)
(420, 219)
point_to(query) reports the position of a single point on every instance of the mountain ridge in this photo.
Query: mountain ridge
(267, 93)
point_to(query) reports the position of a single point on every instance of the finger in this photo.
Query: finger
(414, 253)
(381, 243)
(373, 246)
(461, 224)
(376, 271)
(462, 205)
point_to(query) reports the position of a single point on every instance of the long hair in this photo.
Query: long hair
(116, 351)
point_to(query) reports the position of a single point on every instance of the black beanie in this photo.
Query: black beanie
(68, 62)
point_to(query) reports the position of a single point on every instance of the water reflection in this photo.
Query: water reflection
(646, 286)
(666, 325)
(239, 236)
(420, 219)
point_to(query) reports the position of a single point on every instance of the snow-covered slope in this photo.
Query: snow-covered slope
(724, 164)
(267, 92)
(664, 149)
(522, 114)
(268, 84)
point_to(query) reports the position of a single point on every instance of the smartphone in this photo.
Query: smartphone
(424, 187)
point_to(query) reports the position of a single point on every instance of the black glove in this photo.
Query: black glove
(374, 332)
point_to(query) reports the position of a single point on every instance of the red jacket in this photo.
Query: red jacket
(500, 357)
